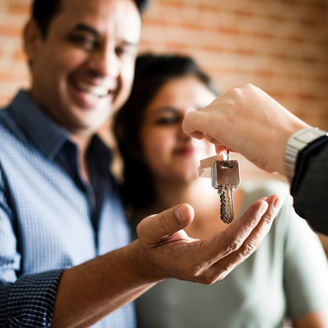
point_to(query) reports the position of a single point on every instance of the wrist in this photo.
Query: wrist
(295, 144)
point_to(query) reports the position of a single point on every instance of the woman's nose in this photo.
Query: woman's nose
(181, 133)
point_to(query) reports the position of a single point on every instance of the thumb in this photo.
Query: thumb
(200, 124)
(155, 227)
(192, 123)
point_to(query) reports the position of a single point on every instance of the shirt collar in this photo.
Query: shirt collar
(100, 152)
(46, 134)
(40, 129)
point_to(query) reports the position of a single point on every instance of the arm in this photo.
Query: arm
(96, 288)
(163, 250)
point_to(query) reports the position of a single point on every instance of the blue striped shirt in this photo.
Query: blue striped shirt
(50, 219)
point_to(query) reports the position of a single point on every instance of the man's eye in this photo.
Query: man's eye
(84, 42)
(120, 51)
(126, 51)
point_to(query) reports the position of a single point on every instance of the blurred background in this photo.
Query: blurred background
(278, 45)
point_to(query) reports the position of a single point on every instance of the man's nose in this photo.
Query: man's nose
(105, 62)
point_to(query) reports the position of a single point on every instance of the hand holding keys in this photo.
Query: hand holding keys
(225, 178)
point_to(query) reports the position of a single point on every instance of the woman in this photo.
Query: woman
(281, 280)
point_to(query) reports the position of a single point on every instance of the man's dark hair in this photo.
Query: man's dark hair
(152, 71)
(43, 12)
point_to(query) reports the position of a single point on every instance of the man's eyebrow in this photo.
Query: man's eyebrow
(86, 28)
(130, 43)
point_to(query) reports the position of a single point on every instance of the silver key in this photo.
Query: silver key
(225, 178)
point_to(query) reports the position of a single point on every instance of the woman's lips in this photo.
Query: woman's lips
(185, 151)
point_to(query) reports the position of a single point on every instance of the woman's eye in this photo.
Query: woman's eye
(84, 42)
(167, 121)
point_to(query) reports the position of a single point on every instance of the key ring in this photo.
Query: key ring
(227, 159)
(228, 154)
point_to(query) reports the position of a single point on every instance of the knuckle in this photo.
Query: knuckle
(144, 225)
(232, 247)
(249, 86)
(267, 218)
(208, 279)
(235, 92)
(211, 281)
(249, 247)
(222, 275)
(195, 271)
(140, 229)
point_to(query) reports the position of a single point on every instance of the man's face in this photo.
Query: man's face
(83, 69)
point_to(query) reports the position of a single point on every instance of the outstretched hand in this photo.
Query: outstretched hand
(168, 252)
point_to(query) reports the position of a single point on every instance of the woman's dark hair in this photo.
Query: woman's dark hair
(43, 11)
(151, 73)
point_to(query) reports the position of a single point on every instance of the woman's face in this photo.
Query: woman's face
(171, 154)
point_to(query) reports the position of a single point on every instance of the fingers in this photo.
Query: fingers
(194, 122)
(234, 236)
(197, 135)
(204, 261)
(253, 240)
(201, 125)
(153, 228)
(252, 228)
(220, 148)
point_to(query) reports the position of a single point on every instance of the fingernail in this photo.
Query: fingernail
(197, 135)
(278, 202)
(177, 213)
(263, 208)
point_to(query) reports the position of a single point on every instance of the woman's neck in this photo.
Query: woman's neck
(170, 193)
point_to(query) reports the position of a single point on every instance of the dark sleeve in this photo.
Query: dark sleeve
(310, 185)
(29, 300)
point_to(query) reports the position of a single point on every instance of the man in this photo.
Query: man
(65, 260)
(249, 121)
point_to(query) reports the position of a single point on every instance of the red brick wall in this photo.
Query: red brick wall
(279, 45)
(13, 71)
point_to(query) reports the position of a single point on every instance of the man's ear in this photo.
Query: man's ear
(32, 40)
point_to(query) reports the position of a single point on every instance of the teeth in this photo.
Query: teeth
(98, 91)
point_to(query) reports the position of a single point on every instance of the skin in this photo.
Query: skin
(252, 115)
(171, 154)
(161, 136)
(89, 45)
(69, 58)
